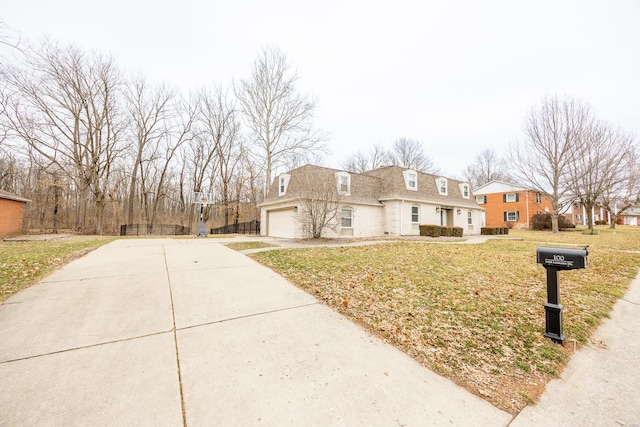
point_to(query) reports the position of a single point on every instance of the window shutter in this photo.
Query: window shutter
(518, 216)
(504, 199)
(484, 199)
(505, 216)
(517, 197)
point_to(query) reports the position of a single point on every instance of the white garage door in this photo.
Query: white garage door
(281, 224)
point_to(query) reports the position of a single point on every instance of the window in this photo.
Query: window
(415, 214)
(344, 183)
(347, 218)
(464, 189)
(481, 200)
(470, 218)
(283, 182)
(441, 183)
(410, 179)
(511, 197)
(511, 216)
(538, 198)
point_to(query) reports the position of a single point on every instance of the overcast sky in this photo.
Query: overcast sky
(458, 76)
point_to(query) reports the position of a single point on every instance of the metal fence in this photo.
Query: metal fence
(156, 230)
(249, 227)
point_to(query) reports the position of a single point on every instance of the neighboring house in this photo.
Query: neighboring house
(577, 213)
(389, 201)
(510, 205)
(631, 216)
(11, 214)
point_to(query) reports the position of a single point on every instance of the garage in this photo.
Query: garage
(281, 223)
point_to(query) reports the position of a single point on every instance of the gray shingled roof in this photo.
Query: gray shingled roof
(386, 183)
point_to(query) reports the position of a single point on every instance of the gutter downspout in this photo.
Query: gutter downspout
(400, 215)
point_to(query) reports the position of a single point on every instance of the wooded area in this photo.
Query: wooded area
(94, 149)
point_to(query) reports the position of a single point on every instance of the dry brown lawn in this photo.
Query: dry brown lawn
(473, 313)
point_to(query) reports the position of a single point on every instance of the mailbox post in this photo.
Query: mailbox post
(553, 260)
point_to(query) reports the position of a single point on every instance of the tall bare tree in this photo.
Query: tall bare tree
(148, 111)
(66, 109)
(409, 153)
(487, 167)
(624, 194)
(279, 118)
(605, 159)
(157, 187)
(553, 136)
(218, 117)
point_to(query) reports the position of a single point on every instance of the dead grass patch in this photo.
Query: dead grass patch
(23, 263)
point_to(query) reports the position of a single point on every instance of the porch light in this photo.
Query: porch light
(437, 209)
(459, 211)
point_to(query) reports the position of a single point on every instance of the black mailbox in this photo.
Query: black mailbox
(554, 259)
(562, 258)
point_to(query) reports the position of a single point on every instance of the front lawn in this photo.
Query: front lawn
(473, 313)
(23, 263)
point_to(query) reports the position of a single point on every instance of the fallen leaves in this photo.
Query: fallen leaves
(472, 313)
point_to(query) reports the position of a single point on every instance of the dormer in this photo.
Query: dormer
(283, 183)
(465, 190)
(411, 179)
(343, 181)
(442, 186)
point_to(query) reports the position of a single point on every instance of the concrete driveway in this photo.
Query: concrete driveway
(163, 332)
(188, 332)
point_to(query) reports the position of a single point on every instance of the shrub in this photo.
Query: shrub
(446, 231)
(542, 221)
(430, 230)
(457, 231)
(601, 222)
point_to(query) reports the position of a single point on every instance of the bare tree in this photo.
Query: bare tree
(409, 153)
(66, 109)
(148, 110)
(220, 125)
(157, 187)
(362, 161)
(602, 166)
(319, 202)
(278, 117)
(544, 158)
(487, 167)
(625, 194)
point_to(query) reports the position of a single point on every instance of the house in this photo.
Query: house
(510, 205)
(389, 201)
(577, 213)
(630, 216)
(11, 213)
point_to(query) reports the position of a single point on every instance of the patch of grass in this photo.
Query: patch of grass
(243, 246)
(473, 313)
(23, 263)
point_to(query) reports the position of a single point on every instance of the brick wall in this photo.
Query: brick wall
(11, 214)
(526, 206)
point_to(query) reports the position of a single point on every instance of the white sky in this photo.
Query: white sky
(459, 76)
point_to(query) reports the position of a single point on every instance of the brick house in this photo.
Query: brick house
(509, 205)
(389, 201)
(11, 214)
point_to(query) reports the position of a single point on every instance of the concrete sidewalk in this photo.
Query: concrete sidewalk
(188, 332)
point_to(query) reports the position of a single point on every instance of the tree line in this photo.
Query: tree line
(94, 148)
